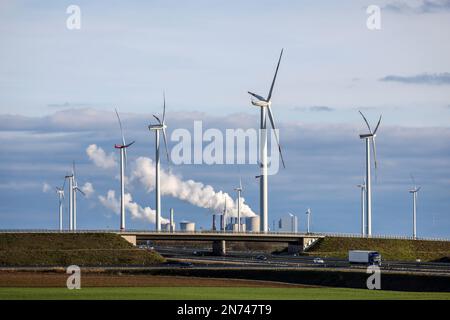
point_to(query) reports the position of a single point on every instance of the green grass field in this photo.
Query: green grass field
(215, 293)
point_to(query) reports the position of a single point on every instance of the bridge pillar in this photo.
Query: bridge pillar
(219, 248)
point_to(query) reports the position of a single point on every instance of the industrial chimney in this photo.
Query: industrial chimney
(172, 223)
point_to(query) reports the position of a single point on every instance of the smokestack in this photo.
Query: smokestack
(214, 222)
(222, 222)
(172, 223)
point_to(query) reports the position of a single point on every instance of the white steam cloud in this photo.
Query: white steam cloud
(100, 158)
(137, 212)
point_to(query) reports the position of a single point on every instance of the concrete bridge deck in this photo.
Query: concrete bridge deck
(297, 242)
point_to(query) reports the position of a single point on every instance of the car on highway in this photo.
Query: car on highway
(318, 261)
(185, 264)
(261, 257)
(199, 253)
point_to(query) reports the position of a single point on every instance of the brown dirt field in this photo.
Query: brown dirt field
(55, 279)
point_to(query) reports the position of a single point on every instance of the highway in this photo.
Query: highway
(248, 259)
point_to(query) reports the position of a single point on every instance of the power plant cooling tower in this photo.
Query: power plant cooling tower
(252, 224)
(187, 226)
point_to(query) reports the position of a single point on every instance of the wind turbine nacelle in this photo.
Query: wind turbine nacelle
(260, 103)
(156, 127)
(365, 136)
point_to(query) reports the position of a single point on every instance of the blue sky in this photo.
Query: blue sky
(59, 87)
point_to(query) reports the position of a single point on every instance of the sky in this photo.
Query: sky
(59, 88)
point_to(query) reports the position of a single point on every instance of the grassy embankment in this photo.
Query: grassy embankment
(95, 249)
(390, 249)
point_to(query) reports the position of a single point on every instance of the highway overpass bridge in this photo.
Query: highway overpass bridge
(297, 242)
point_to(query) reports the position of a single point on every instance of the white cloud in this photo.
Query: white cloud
(100, 158)
(88, 189)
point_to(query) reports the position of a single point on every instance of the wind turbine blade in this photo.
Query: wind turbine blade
(418, 189)
(378, 124)
(256, 96)
(74, 172)
(165, 144)
(130, 144)
(276, 135)
(121, 129)
(64, 184)
(80, 191)
(164, 107)
(240, 183)
(365, 120)
(275, 76)
(413, 180)
(157, 119)
(374, 149)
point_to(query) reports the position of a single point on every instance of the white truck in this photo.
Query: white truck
(364, 257)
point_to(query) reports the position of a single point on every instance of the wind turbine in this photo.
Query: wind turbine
(160, 126)
(74, 191)
(369, 138)
(239, 191)
(123, 162)
(60, 193)
(308, 215)
(414, 192)
(363, 193)
(265, 108)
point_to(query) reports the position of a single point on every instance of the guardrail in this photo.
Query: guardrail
(311, 234)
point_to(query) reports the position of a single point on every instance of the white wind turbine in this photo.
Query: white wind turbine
(160, 126)
(369, 138)
(239, 191)
(74, 191)
(60, 193)
(265, 108)
(363, 195)
(123, 162)
(414, 192)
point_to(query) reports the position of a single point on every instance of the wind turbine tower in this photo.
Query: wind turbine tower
(70, 178)
(123, 162)
(414, 192)
(369, 139)
(157, 128)
(363, 195)
(308, 215)
(74, 191)
(60, 193)
(265, 108)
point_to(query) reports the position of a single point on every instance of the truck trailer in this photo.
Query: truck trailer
(364, 257)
